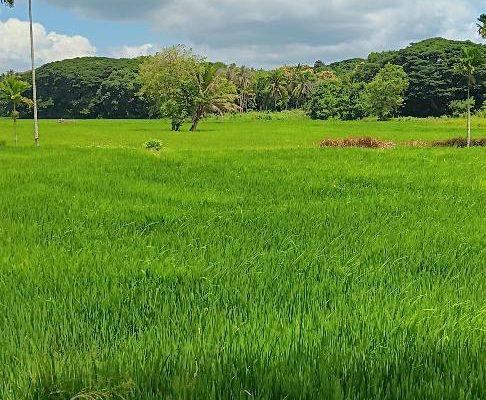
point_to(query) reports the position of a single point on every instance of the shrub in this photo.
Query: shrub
(265, 117)
(335, 100)
(459, 107)
(459, 142)
(482, 111)
(153, 144)
(365, 142)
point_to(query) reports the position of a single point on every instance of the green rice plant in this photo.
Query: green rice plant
(245, 263)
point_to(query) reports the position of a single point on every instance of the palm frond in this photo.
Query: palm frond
(8, 3)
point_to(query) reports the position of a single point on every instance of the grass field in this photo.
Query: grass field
(241, 262)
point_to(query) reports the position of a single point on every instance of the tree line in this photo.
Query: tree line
(434, 77)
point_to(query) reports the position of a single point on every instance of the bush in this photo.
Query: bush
(459, 107)
(153, 144)
(482, 111)
(459, 142)
(265, 117)
(335, 100)
(365, 142)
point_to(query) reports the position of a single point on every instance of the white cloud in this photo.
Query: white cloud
(134, 51)
(50, 46)
(284, 31)
(288, 31)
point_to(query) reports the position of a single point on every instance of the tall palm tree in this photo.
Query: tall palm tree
(11, 89)
(482, 25)
(468, 65)
(277, 86)
(215, 93)
(11, 3)
(303, 85)
(243, 78)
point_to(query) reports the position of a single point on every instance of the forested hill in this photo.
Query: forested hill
(430, 67)
(107, 88)
(90, 87)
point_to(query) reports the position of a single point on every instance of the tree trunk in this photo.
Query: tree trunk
(14, 115)
(34, 83)
(468, 116)
(196, 119)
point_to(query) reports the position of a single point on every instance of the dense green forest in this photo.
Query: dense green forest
(109, 88)
(89, 87)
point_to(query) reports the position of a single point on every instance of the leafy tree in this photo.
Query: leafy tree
(335, 99)
(472, 59)
(482, 26)
(365, 71)
(115, 98)
(181, 84)
(345, 69)
(319, 65)
(169, 81)
(383, 96)
(429, 66)
(433, 83)
(11, 90)
(8, 3)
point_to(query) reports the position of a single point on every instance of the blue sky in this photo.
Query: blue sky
(104, 33)
(252, 32)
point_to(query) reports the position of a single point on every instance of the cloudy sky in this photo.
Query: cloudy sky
(252, 32)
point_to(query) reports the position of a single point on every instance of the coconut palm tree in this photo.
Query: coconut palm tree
(243, 82)
(11, 3)
(468, 65)
(215, 93)
(11, 89)
(277, 86)
(303, 85)
(482, 26)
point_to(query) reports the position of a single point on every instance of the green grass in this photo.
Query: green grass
(241, 262)
(285, 130)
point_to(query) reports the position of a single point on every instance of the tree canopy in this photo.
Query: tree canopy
(97, 87)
